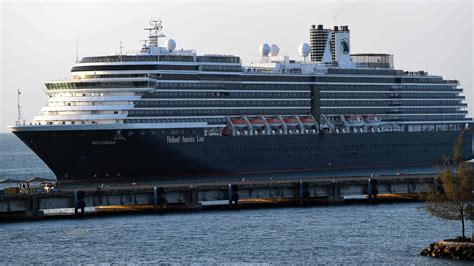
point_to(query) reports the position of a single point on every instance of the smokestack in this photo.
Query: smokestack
(341, 47)
(319, 39)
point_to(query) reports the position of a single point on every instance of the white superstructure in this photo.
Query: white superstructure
(165, 84)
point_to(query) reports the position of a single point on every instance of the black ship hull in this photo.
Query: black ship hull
(129, 155)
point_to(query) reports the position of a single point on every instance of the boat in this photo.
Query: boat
(291, 121)
(308, 121)
(274, 121)
(239, 122)
(257, 122)
(166, 112)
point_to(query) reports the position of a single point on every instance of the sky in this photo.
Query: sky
(38, 39)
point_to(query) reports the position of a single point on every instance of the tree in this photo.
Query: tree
(451, 197)
(470, 210)
(471, 216)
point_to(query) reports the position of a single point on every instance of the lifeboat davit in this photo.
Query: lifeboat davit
(371, 119)
(353, 119)
(257, 122)
(291, 121)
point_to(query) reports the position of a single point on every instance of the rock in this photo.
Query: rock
(450, 249)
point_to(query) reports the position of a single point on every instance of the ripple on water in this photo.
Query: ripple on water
(355, 234)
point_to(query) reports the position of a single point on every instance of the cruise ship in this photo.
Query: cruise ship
(169, 112)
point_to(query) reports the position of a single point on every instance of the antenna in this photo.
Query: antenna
(19, 118)
(155, 31)
(77, 52)
(121, 47)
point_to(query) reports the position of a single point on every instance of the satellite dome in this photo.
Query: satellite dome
(304, 49)
(170, 44)
(274, 49)
(264, 49)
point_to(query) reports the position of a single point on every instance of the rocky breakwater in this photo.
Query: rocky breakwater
(450, 249)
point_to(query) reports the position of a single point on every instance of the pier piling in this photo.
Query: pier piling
(233, 195)
(304, 193)
(372, 190)
(79, 203)
(155, 199)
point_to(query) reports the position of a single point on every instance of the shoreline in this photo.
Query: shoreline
(450, 249)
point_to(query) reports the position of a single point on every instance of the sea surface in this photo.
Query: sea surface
(17, 161)
(343, 234)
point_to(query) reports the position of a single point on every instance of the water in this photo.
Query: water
(348, 234)
(17, 161)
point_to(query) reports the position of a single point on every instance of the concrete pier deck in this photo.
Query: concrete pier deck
(160, 197)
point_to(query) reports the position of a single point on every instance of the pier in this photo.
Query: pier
(201, 195)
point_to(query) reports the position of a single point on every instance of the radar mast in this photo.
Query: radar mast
(20, 117)
(155, 32)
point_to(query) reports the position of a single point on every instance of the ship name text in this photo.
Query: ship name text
(103, 142)
(184, 139)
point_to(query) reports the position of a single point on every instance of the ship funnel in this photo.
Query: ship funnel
(320, 38)
(330, 46)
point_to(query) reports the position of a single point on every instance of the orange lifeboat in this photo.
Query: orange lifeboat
(257, 122)
(291, 121)
(308, 121)
(274, 122)
(238, 122)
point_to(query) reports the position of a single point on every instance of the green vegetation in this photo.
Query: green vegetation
(451, 197)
